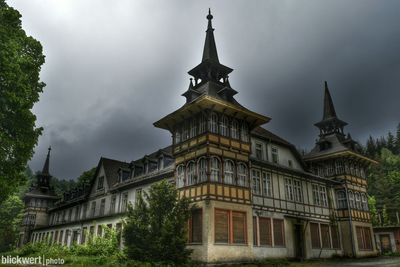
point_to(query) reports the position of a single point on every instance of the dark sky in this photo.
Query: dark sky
(113, 68)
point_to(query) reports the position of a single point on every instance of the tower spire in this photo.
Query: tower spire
(329, 109)
(46, 165)
(210, 48)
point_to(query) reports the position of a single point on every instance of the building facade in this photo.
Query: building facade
(256, 195)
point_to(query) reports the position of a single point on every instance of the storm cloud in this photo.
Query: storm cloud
(113, 68)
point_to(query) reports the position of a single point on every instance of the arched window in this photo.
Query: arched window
(202, 164)
(215, 170)
(223, 126)
(341, 199)
(358, 200)
(191, 173)
(364, 202)
(235, 129)
(242, 174)
(351, 200)
(244, 132)
(213, 123)
(193, 127)
(202, 124)
(229, 172)
(180, 176)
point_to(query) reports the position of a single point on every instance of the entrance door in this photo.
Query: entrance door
(385, 243)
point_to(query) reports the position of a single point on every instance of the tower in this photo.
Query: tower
(211, 146)
(338, 157)
(39, 198)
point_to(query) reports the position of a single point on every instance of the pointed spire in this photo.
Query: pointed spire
(329, 109)
(46, 166)
(210, 49)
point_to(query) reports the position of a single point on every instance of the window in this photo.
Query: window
(77, 210)
(83, 237)
(93, 209)
(213, 123)
(364, 202)
(124, 202)
(275, 156)
(84, 211)
(221, 226)
(242, 174)
(235, 129)
(256, 181)
(266, 184)
(100, 183)
(259, 151)
(265, 231)
(351, 199)
(124, 175)
(230, 227)
(99, 230)
(67, 233)
(289, 189)
(244, 132)
(319, 195)
(138, 194)
(191, 173)
(180, 177)
(215, 170)
(196, 226)
(358, 200)
(102, 206)
(223, 126)
(325, 236)
(339, 167)
(113, 203)
(185, 131)
(193, 127)
(239, 227)
(69, 214)
(202, 124)
(341, 199)
(178, 135)
(91, 230)
(364, 238)
(202, 170)
(314, 231)
(228, 172)
(298, 191)
(279, 233)
(290, 163)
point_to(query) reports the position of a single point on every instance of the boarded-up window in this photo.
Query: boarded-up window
(255, 243)
(326, 239)
(335, 237)
(315, 241)
(239, 227)
(279, 234)
(221, 226)
(195, 226)
(364, 238)
(265, 232)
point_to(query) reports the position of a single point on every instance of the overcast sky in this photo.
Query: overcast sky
(115, 67)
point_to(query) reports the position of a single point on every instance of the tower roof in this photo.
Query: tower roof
(46, 166)
(210, 49)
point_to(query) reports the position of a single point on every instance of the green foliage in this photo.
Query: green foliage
(372, 209)
(11, 212)
(155, 228)
(86, 177)
(21, 58)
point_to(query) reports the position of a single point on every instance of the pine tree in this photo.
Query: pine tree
(391, 142)
(398, 140)
(370, 149)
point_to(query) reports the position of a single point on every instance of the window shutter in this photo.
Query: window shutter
(279, 236)
(265, 232)
(326, 240)
(359, 233)
(335, 237)
(221, 226)
(315, 241)
(239, 227)
(367, 238)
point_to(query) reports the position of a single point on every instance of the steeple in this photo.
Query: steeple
(46, 165)
(209, 69)
(330, 123)
(210, 49)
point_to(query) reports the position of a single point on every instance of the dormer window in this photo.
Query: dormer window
(124, 175)
(275, 156)
(100, 183)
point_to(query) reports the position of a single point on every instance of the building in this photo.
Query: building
(257, 196)
(387, 238)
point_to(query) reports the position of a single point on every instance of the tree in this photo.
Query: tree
(11, 212)
(155, 229)
(391, 142)
(398, 140)
(372, 209)
(21, 58)
(86, 177)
